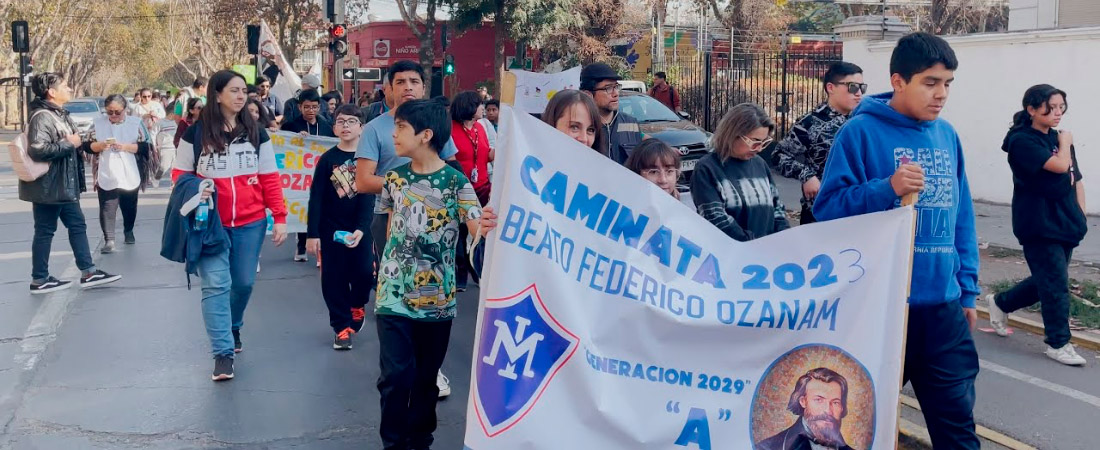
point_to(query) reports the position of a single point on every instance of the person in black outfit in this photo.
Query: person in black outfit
(732, 187)
(309, 123)
(1048, 217)
(622, 130)
(801, 155)
(52, 138)
(336, 205)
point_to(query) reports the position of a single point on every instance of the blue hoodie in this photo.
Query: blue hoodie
(867, 150)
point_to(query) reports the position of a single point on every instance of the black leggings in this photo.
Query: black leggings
(109, 204)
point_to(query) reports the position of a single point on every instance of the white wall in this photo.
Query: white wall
(994, 71)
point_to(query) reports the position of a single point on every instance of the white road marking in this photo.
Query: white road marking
(1039, 382)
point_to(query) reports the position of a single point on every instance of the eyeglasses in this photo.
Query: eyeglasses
(114, 113)
(311, 107)
(756, 144)
(609, 89)
(347, 122)
(854, 87)
(670, 172)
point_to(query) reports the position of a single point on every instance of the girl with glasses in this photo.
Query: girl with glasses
(732, 187)
(657, 162)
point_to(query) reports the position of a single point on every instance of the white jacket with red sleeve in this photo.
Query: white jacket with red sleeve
(246, 179)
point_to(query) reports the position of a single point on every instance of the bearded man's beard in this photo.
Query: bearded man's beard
(825, 430)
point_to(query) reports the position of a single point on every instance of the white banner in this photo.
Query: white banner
(614, 317)
(533, 90)
(297, 157)
(289, 83)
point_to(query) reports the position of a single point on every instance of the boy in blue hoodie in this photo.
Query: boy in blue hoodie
(895, 145)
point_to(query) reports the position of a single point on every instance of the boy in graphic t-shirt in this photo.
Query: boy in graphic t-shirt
(335, 205)
(425, 201)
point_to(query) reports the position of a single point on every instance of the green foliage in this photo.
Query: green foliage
(813, 17)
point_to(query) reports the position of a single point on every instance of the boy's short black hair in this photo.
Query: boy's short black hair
(260, 79)
(43, 82)
(660, 75)
(348, 109)
(405, 65)
(493, 102)
(839, 70)
(427, 114)
(309, 95)
(199, 82)
(464, 106)
(252, 89)
(919, 51)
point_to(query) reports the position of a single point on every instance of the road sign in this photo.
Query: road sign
(362, 74)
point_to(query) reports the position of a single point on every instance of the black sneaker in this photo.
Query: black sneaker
(98, 278)
(50, 285)
(223, 368)
(130, 237)
(237, 346)
(343, 340)
(108, 247)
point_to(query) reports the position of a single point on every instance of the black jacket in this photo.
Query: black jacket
(46, 133)
(794, 438)
(623, 134)
(1044, 203)
(180, 241)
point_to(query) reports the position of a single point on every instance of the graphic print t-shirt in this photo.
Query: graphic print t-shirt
(416, 271)
(334, 204)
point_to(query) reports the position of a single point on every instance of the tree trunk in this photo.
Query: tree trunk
(939, 16)
(499, 29)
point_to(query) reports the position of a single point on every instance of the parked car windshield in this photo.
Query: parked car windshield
(81, 107)
(646, 109)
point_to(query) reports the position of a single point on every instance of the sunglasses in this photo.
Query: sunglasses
(114, 113)
(756, 144)
(854, 88)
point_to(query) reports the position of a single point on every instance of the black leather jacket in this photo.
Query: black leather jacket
(46, 133)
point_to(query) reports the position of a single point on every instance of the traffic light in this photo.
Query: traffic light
(339, 44)
(449, 65)
(25, 64)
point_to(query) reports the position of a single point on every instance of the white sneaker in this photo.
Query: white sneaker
(997, 317)
(1066, 355)
(300, 257)
(444, 383)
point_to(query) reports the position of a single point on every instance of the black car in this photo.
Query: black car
(658, 121)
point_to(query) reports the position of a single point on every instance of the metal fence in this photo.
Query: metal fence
(787, 84)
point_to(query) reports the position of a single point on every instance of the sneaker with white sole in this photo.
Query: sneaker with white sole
(223, 368)
(300, 257)
(997, 317)
(98, 278)
(1065, 355)
(444, 384)
(50, 285)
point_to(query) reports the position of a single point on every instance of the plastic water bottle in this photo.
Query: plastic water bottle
(202, 214)
(343, 237)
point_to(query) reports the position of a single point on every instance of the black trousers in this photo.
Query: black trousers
(410, 355)
(1047, 285)
(301, 238)
(346, 279)
(109, 203)
(941, 362)
(462, 259)
(45, 224)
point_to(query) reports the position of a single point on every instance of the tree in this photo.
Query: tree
(534, 22)
(424, 30)
(294, 22)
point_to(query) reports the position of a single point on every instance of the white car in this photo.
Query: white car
(633, 85)
(83, 112)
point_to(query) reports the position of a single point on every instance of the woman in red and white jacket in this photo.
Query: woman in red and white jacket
(235, 151)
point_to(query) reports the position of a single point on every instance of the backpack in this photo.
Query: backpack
(26, 168)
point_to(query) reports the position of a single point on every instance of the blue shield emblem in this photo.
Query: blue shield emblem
(522, 346)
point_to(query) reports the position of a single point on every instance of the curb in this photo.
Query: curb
(1078, 338)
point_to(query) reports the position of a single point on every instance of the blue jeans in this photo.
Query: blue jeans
(227, 280)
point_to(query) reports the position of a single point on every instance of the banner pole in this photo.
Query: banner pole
(908, 200)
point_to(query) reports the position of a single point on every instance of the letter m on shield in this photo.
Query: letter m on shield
(521, 347)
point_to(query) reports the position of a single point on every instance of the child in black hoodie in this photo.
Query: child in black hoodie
(1048, 217)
